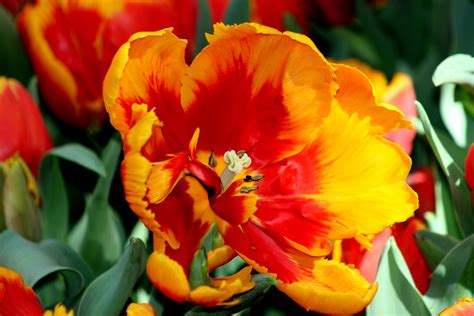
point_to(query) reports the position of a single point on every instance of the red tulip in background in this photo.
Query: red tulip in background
(14, 6)
(21, 128)
(469, 169)
(71, 45)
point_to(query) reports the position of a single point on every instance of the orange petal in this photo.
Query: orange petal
(463, 307)
(356, 96)
(359, 172)
(275, 89)
(333, 289)
(223, 289)
(136, 309)
(168, 276)
(219, 256)
(15, 297)
(148, 70)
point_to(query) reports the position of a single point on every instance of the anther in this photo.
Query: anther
(248, 189)
(250, 178)
(212, 162)
(241, 153)
(235, 165)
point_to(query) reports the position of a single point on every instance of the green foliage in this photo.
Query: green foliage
(455, 176)
(99, 236)
(13, 60)
(46, 265)
(55, 205)
(397, 293)
(109, 292)
(237, 12)
(453, 278)
(434, 246)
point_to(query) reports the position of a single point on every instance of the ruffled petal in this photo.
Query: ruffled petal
(256, 89)
(222, 289)
(359, 172)
(15, 297)
(334, 288)
(148, 70)
(356, 96)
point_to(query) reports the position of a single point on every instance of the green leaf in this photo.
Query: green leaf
(237, 12)
(109, 292)
(291, 24)
(39, 262)
(434, 246)
(443, 221)
(455, 175)
(198, 271)
(385, 48)
(98, 236)
(453, 278)
(80, 155)
(13, 59)
(461, 13)
(54, 208)
(397, 293)
(204, 25)
(33, 89)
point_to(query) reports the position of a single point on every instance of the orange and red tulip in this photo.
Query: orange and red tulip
(261, 135)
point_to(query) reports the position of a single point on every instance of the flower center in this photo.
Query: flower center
(236, 163)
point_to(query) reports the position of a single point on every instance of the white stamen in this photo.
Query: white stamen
(235, 165)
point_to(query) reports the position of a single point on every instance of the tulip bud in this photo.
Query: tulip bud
(19, 199)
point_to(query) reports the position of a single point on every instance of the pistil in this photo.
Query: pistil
(236, 162)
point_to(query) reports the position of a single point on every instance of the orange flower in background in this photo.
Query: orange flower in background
(22, 129)
(463, 307)
(71, 45)
(136, 309)
(14, 6)
(261, 135)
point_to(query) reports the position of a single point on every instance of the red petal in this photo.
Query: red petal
(15, 297)
(21, 128)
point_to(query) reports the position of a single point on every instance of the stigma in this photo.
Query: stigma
(236, 163)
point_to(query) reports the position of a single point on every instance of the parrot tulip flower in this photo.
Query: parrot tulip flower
(71, 45)
(263, 137)
(22, 129)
